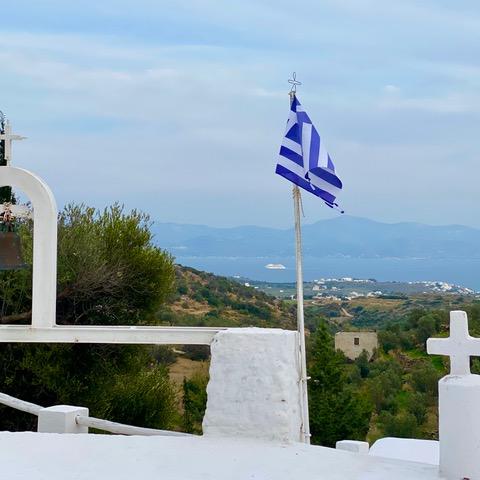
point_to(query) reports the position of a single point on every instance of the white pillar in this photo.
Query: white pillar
(61, 419)
(354, 446)
(459, 402)
(44, 283)
(459, 426)
(254, 389)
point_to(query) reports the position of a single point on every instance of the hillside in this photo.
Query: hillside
(396, 390)
(204, 299)
(377, 313)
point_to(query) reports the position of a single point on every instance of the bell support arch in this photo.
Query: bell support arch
(44, 285)
(44, 282)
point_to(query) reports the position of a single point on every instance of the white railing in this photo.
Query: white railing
(18, 404)
(63, 416)
(111, 334)
(122, 429)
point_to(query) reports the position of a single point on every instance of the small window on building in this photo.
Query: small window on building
(356, 341)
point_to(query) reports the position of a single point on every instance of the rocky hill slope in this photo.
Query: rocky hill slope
(204, 299)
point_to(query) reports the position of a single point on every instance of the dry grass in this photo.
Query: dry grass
(376, 303)
(186, 368)
(190, 307)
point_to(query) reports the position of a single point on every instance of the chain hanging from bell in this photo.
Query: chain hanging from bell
(11, 257)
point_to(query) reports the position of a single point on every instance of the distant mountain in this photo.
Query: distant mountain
(343, 236)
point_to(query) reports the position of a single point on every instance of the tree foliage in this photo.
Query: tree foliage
(109, 273)
(403, 424)
(336, 411)
(194, 402)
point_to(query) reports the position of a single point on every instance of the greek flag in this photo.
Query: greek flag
(304, 160)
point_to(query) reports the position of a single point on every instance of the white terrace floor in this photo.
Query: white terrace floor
(81, 457)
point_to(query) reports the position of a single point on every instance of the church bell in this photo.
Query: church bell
(10, 252)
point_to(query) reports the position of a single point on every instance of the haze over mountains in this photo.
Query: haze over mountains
(343, 236)
(340, 247)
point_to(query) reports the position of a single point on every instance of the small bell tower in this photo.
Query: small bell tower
(6, 140)
(5, 192)
(10, 249)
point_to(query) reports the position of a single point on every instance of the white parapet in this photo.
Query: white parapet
(61, 419)
(407, 449)
(254, 388)
(459, 402)
(354, 446)
(459, 426)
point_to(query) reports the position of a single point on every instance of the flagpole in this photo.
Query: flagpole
(300, 316)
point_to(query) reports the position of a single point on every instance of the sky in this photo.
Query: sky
(178, 108)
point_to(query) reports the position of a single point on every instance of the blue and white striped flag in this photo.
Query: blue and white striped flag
(304, 160)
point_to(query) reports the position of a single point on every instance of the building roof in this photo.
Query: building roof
(35, 456)
(425, 451)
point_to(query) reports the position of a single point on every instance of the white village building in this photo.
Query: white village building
(253, 422)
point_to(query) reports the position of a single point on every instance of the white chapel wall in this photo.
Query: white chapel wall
(254, 388)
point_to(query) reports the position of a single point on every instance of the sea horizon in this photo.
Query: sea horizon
(462, 272)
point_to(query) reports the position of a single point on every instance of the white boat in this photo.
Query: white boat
(275, 266)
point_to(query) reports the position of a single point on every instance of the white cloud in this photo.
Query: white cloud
(454, 103)
(391, 89)
(180, 122)
(427, 13)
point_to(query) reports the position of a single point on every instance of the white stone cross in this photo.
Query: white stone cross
(460, 346)
(8, 136)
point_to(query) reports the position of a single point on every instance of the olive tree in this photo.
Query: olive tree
(109, 273)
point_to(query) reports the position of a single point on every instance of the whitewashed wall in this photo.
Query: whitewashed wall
(254, 389)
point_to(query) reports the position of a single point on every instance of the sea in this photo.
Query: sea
(463, 272)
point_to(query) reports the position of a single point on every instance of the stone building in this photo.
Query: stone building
(352, 344)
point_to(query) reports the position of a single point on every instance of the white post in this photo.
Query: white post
(44, 283)
(459, 426)
(459, 402)
(300, 317)
(61, 419)
(354, 446)
(253, 391)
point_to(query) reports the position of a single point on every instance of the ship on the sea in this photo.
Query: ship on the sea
(275, 266)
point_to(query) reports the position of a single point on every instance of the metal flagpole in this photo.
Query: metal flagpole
(300, 319)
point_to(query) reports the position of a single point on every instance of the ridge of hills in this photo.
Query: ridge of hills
(343, 236)
(205, 299)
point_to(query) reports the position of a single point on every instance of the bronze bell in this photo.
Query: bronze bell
(11, 252)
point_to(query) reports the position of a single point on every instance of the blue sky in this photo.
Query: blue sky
(178, 107)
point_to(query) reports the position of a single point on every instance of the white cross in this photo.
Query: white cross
(460, 346)
(8, 136)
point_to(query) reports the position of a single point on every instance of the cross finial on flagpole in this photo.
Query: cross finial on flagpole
(294, 82)
(8, 137)
(460, 346)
